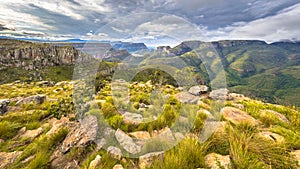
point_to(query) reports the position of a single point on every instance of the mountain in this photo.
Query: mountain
(130, 47)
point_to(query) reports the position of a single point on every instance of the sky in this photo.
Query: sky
(151, 21)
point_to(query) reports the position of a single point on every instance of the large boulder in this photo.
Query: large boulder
(127, 142)
(81, 135)
(217, 161)
(132, 118)
(38, 99)
(8, 158)
(236, 116)
(186, 97)
(219, 94)
(3, 106)
(274, 113)
(198, 90)
(147, 159)
(271, 136)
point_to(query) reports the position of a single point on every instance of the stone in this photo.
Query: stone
(217, 161)
(278, 115)
(32, 134)
(143, 135)
(57, 125)
(132, 118)
(166, 134)
(38, 99)
(272, 136)
(296, 155)
(115, 152)
(219, 94)
(127, 142)
(3, 106)
(95, 163)
(198, 90)
(146, 159)
(236, 116)
(186, 97)
(118, 166)
(235, 96)
(82, 134)
(8, 158)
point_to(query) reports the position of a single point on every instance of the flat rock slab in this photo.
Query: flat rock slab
(236, 116)
(127, 142)
(32, 134)
(186, 97)
(8, 158)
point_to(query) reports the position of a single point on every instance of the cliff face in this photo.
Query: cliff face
(32, 55)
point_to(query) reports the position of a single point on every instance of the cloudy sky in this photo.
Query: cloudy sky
(152, 20)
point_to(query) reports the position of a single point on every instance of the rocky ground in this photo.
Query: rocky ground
(40, 128)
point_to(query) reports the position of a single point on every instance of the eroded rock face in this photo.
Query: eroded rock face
(3, 106)
(132, 118)
(147, 159)
(236, 116)
(32, 134)
(83, 134)
(8, 158)
(38, 99)
(198, 90)
(217, 161)
(95, 163)
(127, 142)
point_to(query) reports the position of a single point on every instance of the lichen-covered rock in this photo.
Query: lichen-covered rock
(186, 97)
(132, 118)
(235, 116)
(7, 158)
(217, 161)
(83, 134)
(3, 106)
(147, 159)
(271, 136)
(127, 142)
(198, 90)
(115, 152)
(95, 163)
(38, 99)
(278, 115)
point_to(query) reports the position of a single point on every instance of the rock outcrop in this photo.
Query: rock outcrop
(236, 116)
(198, 90)
(3, 106)
(127, 142)
(8, 158)
(38, 99)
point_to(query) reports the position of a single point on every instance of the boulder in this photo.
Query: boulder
(82, 134)
(118, 166)
(114, 152)
(127, 142)
(3, 106)
(278, 115)
(132, 118)
(217, 161)
(186, 97)
(95, 163)
(32, 134)
(38, 99)
(236, 116)
(296, 155)
(57, 125)
(142, 135)
(8, 158)
(164, 134)
(147, 159)
(271, 136)
(198, 90)
(219, 94)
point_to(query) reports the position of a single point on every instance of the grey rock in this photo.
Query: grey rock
(115, 152)
(147, 159)
(186, 97)
(3, 106)
(127, 142)
(198, 90)
(219, 94)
